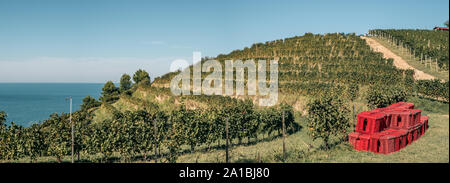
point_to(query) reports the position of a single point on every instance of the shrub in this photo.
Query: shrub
(382, 96)
(327, 116)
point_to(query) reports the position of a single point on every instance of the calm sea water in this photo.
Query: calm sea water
(28, 103)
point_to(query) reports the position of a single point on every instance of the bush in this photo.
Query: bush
(433, 89)
(3, 116)
(382, 96)
(327, 116)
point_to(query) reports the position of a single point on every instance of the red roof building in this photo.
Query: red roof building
(441, 28)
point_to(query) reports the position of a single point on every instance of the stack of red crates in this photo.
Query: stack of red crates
(389, 129)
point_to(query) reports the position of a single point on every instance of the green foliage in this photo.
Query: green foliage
(425, 43)
(58, 137)
(34, 142)
(109, 93)
(125, 84)
(141, 76)
(384, 95)
(433, 89)
(3, 117)
(313, 65)
(89, 103)
(190, 124)
(241, 119)
(327, 116)
(352, 91)
(409, 79)
(14, 142)
(270, 120)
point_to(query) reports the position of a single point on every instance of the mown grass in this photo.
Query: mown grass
(443, 75)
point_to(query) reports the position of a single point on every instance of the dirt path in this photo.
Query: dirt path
(398, 61)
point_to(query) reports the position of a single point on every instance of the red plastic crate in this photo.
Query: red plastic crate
(375, 144)
(416, 115)
(352, 137)
(389, 129)
(409, 137)
(362, 142)
(370, 122)
(388, 142)
(401, 105)
(424, 121)
(402, 139)
(416, 131)
(403, 118)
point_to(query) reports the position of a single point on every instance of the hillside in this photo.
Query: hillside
(309, 65)
(147, 122)
(424, 45)
(399, 62)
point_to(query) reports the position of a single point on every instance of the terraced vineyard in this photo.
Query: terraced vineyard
(312, 65)
(423, 44)
(147, 120)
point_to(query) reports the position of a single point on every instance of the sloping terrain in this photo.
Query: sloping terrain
(399, 62)
(312, 65)
(309, 66)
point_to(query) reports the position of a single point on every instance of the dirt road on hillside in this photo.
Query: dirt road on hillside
(398, 61)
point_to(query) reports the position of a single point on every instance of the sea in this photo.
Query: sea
(28, 103)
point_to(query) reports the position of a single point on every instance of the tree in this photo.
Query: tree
(446, 23)
(89, 103)
(141, 76)
(109, 93)
(327, 116)
(125, 84)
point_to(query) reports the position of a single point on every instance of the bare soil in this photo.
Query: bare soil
(398, 61)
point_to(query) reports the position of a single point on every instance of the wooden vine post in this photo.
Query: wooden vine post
(226, 143)
(284, 137)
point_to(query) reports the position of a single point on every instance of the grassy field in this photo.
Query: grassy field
(444, 75)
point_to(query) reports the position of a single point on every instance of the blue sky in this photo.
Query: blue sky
(96, 41)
